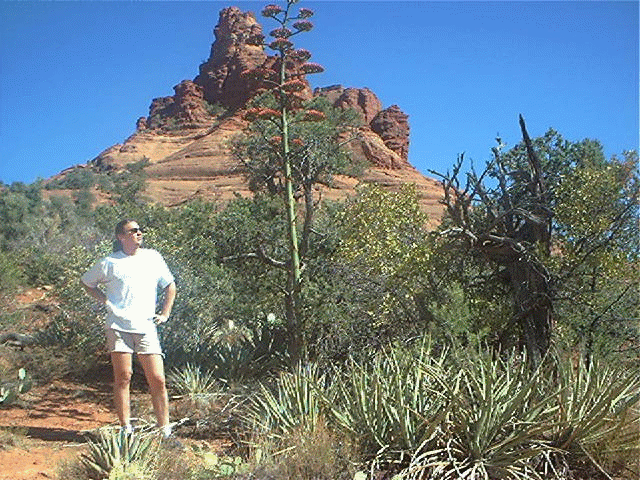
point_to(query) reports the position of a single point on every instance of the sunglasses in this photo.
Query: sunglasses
(135, 230)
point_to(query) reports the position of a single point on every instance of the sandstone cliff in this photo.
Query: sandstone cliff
(184, 141)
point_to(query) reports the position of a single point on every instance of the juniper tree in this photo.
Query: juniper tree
(555, 229)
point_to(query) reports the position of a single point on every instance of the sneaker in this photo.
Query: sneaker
(126, 430)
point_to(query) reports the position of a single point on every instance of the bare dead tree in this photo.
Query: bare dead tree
(510, 226)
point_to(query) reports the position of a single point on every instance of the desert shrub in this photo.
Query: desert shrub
(319, 454)
(84, 200)
(77, 179)
(71, 344)
(219, 415)
(252, 355)
(75, 331)
(201, 305)
(137, 168)
(42, 267)
(11, 437)
(21, 209)
(11, 275)
(214, 109)
(71, 469)
(214, 465)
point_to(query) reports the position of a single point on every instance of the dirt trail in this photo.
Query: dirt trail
(47, 427)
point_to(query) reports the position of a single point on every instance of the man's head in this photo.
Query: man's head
(128, 236)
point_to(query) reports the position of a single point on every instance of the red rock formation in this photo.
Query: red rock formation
(362, 100)
(392, 125)
(186, 109)
(187, 146)
(141, 124)
(220, 76)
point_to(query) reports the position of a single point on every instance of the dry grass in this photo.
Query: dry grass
(317, 455)
(12, 437)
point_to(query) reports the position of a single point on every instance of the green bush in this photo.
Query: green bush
(76, 179)
(11, 275)
(42, 267)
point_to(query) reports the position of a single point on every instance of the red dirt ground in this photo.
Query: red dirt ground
(48, 424)
(47, 427)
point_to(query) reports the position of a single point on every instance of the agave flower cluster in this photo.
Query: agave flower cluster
(285, 77)
(261, 114)
(271, 11)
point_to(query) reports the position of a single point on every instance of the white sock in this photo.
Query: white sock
(166, 430)
(127, 428)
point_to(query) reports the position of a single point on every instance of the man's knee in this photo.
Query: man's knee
(123, 377)
(157, 382)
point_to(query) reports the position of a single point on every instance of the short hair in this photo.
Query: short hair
(119, 230)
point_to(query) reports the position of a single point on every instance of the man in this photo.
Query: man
(130, 277)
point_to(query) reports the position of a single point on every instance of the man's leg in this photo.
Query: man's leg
(153, 366)
(122, 372)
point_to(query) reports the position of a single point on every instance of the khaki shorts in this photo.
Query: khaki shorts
(140, 343)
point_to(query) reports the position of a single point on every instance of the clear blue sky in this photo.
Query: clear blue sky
(75, 76)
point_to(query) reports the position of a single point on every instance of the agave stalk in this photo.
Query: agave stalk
(285, 85)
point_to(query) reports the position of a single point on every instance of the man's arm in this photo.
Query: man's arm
(95, 292)
(169, 297)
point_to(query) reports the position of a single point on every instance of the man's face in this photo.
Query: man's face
(131, 239)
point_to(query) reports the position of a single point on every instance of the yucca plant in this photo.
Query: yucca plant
(495, 424)
(241, 353)
(595, 415)
(192, 380)
(388, 406)
(294, 402)
(114, 449)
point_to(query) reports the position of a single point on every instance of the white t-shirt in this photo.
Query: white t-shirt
(131, 286)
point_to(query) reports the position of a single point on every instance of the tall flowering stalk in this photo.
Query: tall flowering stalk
(285, 81)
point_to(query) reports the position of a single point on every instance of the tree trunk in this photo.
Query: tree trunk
(533, 307)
